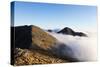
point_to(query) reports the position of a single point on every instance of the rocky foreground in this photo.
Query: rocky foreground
(26, 57)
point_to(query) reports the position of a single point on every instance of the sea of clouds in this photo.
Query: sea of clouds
(83, 48)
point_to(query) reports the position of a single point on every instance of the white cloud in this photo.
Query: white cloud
(84, 48)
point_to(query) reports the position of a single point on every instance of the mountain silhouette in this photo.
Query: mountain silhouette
(69, 31)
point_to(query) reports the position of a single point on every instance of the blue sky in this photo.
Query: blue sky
(54, 16)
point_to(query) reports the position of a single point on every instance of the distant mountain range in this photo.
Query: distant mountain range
(68, 31)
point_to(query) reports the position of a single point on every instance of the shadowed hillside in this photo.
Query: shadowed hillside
(23, 36)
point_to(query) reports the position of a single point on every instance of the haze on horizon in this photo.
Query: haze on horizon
(51, 16)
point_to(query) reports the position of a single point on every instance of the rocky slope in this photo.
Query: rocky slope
(42, 39)
(32, 45)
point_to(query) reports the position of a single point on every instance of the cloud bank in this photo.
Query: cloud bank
(83, 48)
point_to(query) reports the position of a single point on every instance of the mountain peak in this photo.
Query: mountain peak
(69, 31)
